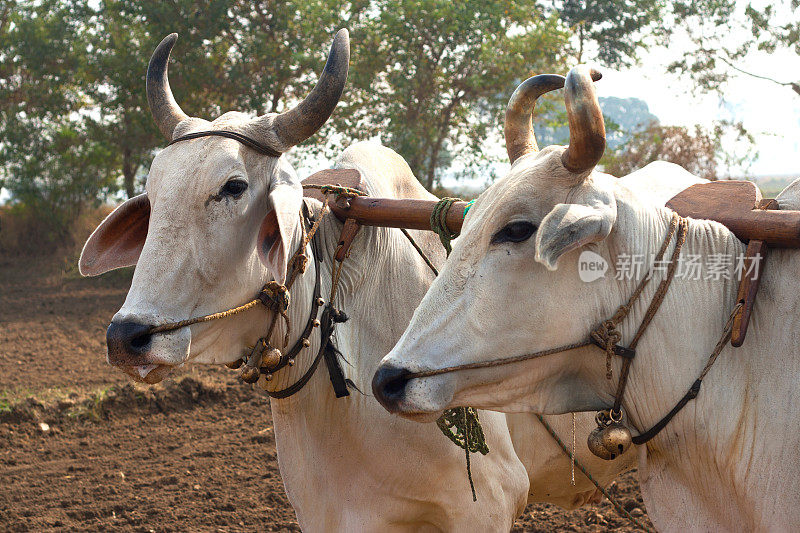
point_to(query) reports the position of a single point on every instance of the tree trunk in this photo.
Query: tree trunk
(128, 172)
(444, 129)
(432, 162)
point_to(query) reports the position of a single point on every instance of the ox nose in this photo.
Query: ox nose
(128, 343)
(389, 385)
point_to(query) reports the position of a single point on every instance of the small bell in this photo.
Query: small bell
(610, 438)
(271, 358)
(306, 343)
(250, 374)
(320, 302)
(316, 323)
(291, 362)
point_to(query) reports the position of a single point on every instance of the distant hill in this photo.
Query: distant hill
(624, 117)
(771, 186)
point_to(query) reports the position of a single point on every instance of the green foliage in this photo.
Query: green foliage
(715, 55)
(431, 77)
(47, 158)
(616, 29)
(702, 152)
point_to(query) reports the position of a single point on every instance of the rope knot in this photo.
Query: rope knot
(607, 336)
(274, 296)
(299, 262)
(339, 316)
(439, 222)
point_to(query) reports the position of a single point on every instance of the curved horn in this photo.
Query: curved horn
(587, 131)
(298, 124)
(166, 111)
(520, 139)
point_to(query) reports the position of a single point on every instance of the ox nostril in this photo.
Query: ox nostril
(141, 342)
(128, 342)
(389, 385)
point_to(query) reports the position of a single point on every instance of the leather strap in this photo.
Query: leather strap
(236, 136)
(299, 345)
(331, 354)
(326, 349)
(653, 431)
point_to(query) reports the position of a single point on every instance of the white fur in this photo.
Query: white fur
(729, 460)
(347, 464)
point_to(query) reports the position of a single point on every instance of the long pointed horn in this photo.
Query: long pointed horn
(587, 131)
(298, 124)
(166, 111)
(520, 139)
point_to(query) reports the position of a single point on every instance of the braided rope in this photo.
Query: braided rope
(419, 251)
(621, 510)
(439, 222)
(338, 190)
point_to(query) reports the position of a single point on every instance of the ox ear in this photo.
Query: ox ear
(279, 226)
(118, 240)
(570, 226)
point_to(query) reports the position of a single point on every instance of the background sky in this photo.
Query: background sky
(769, 111)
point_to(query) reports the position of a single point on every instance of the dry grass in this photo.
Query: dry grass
(25, 233)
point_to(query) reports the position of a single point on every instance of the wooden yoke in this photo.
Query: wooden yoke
(758, 222)
(735, 204)
(384, 212)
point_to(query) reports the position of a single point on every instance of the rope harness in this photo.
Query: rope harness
(461, 425)
(264, 359)
(607, 337)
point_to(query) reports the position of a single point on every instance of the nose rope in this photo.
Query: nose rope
(606, 334)
(272, 295)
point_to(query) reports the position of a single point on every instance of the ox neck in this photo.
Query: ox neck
(382, 269)
(711, 447)
(690, 318)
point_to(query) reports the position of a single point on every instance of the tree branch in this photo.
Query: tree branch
(795, 87)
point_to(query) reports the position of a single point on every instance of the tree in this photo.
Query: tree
(47, 160)
(615, 29)
(432, 75)
(718, 50)
(700, 151)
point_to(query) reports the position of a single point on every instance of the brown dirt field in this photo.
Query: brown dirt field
(185, 455)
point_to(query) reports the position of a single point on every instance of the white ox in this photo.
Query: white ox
(347, 465)
(729, 460)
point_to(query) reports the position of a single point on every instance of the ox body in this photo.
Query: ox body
(729, 460)
(219, 220)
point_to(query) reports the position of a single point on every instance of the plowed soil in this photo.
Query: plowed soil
(81, 448)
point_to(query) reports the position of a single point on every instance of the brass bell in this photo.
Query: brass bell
(316, 323)
(306, 343)
(291, 362)
(271, 358)
(250, 374)
(320, 302)
(235, 364)
(610, 441)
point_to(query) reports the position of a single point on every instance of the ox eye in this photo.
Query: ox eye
(234, 187)
(514, 232)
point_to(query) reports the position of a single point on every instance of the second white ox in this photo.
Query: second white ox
(218, 221)
(729, 460)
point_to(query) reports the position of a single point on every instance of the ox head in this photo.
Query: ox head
(511, 285)
(218, 220)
